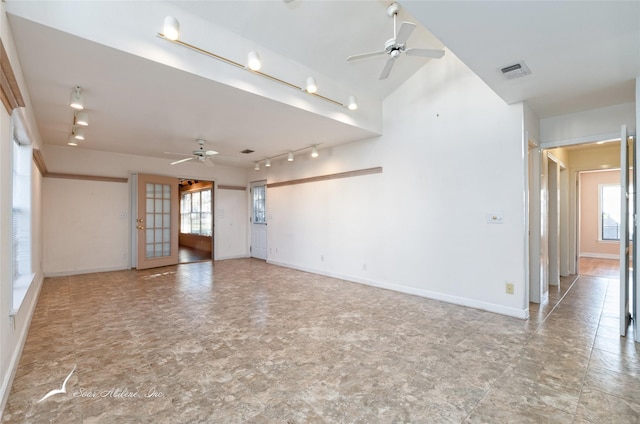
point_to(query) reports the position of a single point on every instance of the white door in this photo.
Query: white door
(259, 220)
(157, 221)
(624, 231)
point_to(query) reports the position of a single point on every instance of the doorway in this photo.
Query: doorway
(593, 156)
(258, 246)
(196, 226)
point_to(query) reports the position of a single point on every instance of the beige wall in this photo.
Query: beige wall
(590, 245)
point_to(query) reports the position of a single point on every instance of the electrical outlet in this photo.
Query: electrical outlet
(510, 288)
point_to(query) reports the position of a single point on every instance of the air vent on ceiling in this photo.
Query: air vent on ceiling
(516, 70)
(247, 151)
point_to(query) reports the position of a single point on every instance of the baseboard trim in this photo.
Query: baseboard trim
(85, 271)
(600, 255)
(456, 300)
(224, 258)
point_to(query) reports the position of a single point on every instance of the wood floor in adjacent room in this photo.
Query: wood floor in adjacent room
(242, 341)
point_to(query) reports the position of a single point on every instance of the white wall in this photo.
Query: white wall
(452, 152)
(13, 329)
(591, 125)
(83, 231)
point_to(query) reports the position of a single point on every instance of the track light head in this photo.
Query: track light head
(72, 140)
(352, 104)
(257, 166)
(77, 102)
(312, 86)
(253, 61)
(290, 156)
(171, 28)
(78, 133)
(314, 152)
(82, 118)
(267, 163)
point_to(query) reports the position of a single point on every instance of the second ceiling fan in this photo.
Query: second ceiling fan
(396, 45)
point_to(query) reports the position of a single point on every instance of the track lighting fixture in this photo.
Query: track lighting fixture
(253, 61)
(82, 118)
(171, 28)
(72, 141)
(77, 101)
(312, 87)
(352, 104)
(290, 156)
(171, 32)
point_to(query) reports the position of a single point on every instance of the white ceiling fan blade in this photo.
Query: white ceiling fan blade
(176, 154)
(365, 55)
(405, 31)
(210, 153)
(387, 68)
(434, 54)
(181, 160)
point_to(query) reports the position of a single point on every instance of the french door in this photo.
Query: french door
(157, 221)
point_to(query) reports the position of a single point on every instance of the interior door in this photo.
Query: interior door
(259, 220)
(624, 231)
(157, 221)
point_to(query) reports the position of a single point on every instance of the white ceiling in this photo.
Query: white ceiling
(582, 55)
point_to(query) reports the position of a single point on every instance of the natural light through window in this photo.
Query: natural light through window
(195, 213)
(21, 220)
(610, 212)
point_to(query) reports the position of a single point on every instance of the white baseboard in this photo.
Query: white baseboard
(224, 258)
(456, 300)
(84, 271)
(7, 381)
(599, 255)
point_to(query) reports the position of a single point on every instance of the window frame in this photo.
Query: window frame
(200, 215)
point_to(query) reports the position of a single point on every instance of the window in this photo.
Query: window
(195, 213)
(21, 216)
(610, 212)
(259, 205)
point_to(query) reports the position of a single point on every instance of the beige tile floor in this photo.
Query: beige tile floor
(242, 341)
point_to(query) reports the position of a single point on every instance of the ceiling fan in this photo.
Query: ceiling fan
(200, 153)
(396, 45)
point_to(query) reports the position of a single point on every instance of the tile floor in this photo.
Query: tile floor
(256, 343)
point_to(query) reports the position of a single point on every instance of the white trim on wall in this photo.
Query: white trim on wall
(428, 294)
(599, 255)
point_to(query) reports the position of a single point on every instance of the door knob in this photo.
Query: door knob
(140, 227)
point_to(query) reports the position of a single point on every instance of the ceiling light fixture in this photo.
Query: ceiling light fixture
(290, 156)
(352, 104)
(77, 102)
(171, 32)
(267, 162)
(257, 167)
(82, 118)
(171, 28)
(72, 141)
(314, 152)
(312, 87)
(253, 61)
